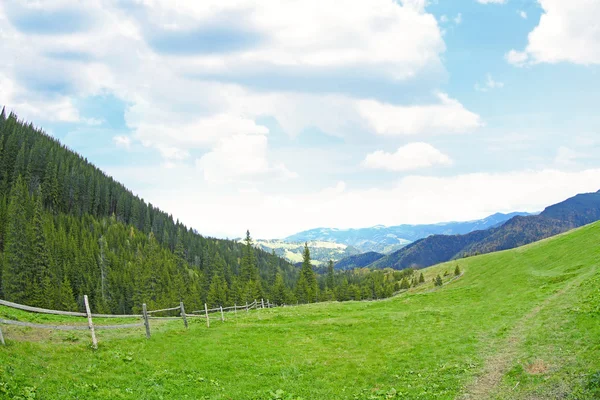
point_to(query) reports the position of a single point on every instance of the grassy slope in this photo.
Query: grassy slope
(520, 324)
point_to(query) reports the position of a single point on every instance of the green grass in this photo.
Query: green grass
(529, 315)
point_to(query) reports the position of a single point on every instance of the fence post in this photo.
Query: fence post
(206, 313)
(90, 323)
(222, 316)
(268, 304)
(262, 302)
(235, 309)
(2, 338)
(146, 321)
(183, 314)
(247, 307)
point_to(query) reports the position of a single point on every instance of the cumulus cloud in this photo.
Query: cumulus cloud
(163, 65)
(409, 157)
(567, 32)
(310, 34)
(446, 116)
(240, 157)
(522, 14)
(518, 58)
(412, 199)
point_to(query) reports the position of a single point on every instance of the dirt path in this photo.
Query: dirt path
(499, 364)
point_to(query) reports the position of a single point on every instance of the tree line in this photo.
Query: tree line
(68, 229)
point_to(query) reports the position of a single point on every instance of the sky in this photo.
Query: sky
(283, 115)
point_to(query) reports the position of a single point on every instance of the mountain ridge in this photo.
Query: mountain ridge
(387, 239)
(571, 213)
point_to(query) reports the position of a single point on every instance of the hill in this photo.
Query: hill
(358, 260)
(68, 230)
(387, 239)
(516, 325)
(571, 213)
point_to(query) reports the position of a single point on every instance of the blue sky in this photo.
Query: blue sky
(279, 116)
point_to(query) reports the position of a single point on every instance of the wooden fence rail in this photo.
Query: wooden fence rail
(146, 316)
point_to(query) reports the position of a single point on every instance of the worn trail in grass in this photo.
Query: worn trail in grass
(423, 344)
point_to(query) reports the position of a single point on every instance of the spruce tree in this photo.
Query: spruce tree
(17, 277)
(39, 258)
(404, 284)
(248, 265)
(330, 275)
(421, 278)
(309, 276)
(279, 289)
(217, 293)
(457, 270)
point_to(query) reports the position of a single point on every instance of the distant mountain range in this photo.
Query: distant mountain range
(387, 239)
(519, 230)
(320, 252)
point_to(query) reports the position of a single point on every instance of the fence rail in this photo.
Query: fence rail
(146, 316)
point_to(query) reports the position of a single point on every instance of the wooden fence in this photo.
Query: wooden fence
(146, 317)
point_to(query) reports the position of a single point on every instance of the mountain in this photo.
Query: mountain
(387, 239)
(320, 252)
(519, 230)
(358, 260)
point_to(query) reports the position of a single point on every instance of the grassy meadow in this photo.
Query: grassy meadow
(519, 324)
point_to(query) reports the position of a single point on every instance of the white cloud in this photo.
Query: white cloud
(409, 157)
(458, 19)
(522, 14)
(413, 199)
(518, 58)
(489, 84)
(240, 157)
(443, 19)
(447, 116)
(492, 1)
(122, 141)
(315, 34)
(174, 113)
(567, 32)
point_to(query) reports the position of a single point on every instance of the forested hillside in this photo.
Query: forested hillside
(518, 231)
(67, 229)
(358, 260)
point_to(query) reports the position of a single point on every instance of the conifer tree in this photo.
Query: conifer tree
(67, 300)
(421, 278)
(457, 270)
(309, 276)
(248, 265)
(279, 289)
(39, 259)
(17, 277)
(404, 284)
(217, 293)
(330, 275)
